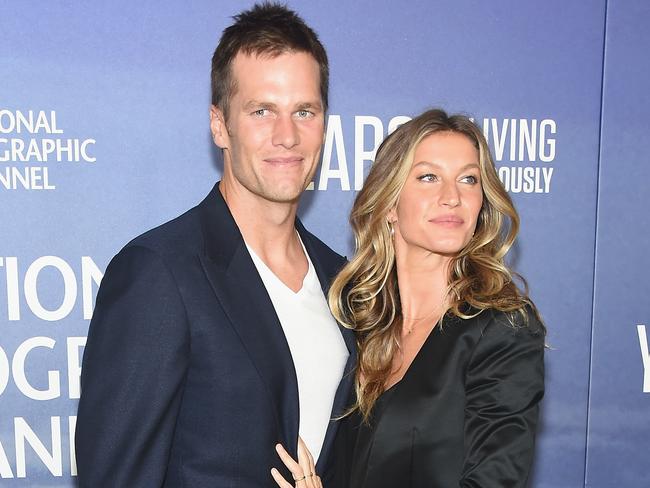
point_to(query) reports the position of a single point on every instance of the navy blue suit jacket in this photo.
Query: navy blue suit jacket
(187, 377)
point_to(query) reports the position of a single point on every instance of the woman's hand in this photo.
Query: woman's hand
(303, 471)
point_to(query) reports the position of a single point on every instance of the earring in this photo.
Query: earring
(391, 228)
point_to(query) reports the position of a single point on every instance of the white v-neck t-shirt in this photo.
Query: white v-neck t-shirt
(317, 347)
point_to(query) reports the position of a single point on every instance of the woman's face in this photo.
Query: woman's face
(441, 199)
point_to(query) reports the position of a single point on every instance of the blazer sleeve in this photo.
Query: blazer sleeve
(504, 385)
(132, 377)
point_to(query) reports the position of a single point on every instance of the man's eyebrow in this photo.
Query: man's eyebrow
(256, 104)
(311, 105)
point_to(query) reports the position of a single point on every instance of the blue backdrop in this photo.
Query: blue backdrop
(104, 134)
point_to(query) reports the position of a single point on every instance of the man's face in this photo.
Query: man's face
(274, 132)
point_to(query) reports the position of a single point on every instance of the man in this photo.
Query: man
(211, 339)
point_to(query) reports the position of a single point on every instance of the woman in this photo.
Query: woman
(450, 371)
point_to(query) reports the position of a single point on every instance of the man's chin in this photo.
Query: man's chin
(287, 193)
(288, 198)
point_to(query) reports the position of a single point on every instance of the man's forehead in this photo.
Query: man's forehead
(262, 75)
(244, 57)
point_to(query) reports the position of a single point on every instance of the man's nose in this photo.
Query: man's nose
(285, 132)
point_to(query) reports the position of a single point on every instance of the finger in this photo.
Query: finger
(310, 458)
(312, 464)
(289, 462)
(306, 461)
(303, 457)
(279, 479)
(317, 482)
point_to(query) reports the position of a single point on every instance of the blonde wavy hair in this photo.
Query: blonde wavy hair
(365, 296)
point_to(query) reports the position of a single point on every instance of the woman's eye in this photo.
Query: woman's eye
(428, 177)
(471, 179)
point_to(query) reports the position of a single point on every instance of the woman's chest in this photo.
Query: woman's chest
(419, 428)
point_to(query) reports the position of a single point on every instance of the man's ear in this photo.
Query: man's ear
(218, 128)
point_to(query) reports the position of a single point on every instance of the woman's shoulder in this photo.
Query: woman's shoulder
(521, 324)
(508, 341)
(526, 319)
(519, 329)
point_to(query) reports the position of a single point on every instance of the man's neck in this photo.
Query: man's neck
(269, 229)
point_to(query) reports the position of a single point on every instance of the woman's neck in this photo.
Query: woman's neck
(422, 279)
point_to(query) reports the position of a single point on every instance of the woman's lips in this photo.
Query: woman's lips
(448, 221)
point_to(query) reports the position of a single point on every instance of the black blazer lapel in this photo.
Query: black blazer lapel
(244, 299)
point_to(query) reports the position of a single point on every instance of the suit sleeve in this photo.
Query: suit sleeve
(133, 372)
(504, 385)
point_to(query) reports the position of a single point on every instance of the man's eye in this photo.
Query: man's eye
(304, 114)
(261, 112)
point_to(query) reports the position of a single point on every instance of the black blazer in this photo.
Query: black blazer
(187, 378)
(464, 414)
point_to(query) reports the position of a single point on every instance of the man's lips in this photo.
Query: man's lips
(285, 160)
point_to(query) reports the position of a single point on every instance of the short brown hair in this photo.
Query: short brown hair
(270, 29)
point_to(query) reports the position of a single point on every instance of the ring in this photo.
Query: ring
(309, 475)
(299, 479)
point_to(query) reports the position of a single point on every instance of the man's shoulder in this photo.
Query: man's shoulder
(180, 235)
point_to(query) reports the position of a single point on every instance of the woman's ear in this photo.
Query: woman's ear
(391, 216)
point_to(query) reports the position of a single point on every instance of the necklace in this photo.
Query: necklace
(415, 320)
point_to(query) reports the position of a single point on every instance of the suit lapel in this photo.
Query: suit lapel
(244, 299)
(326, 268)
